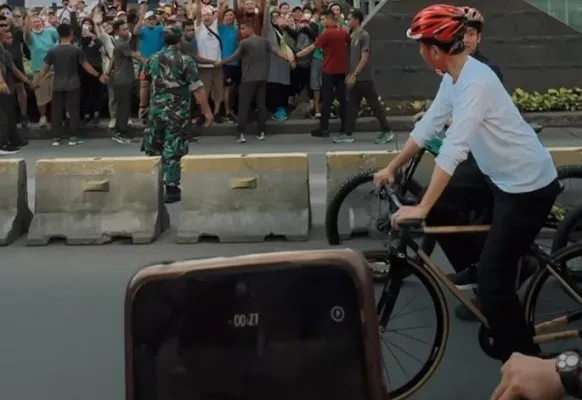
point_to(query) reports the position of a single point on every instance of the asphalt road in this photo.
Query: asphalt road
(61, 324)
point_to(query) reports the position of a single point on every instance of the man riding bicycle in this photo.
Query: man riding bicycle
(463, 252)
(472, 39)
(518, 176)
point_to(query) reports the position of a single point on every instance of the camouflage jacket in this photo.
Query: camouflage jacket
(172, 72)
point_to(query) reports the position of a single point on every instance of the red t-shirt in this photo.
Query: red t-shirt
(334, 42)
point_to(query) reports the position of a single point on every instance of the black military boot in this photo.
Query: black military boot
(173, 194)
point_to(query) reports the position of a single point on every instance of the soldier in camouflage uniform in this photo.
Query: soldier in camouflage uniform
(167, 79)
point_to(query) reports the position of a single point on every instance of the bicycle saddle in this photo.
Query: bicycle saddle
(411, 223)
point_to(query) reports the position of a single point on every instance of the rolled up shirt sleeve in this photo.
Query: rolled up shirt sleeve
(469, 110)
(435, 118)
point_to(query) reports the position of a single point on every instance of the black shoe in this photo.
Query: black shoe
(24, 122)
(20, 142)
(466, 279)
(320, 133)
(463, 313)
(173, 194)
(7, 149)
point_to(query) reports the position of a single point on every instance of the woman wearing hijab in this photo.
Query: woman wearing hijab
(279, 71)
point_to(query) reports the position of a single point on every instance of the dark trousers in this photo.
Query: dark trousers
(249, 91)
(8, 120)
(468, 194)
(517, 220)
(332, 85)
(123, 97)
(364, 90)
(68, 101)
(300, 79)
(277, 96)
(94, 90)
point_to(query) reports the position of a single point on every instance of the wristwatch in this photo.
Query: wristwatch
(569, 366)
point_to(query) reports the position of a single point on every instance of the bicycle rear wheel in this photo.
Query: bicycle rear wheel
(570, 177)
(569, 230)
(404, 325)
(546, 299)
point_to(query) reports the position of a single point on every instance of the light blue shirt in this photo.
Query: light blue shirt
(39, 44)
(229, 39)
(151, 40)
(486, 123)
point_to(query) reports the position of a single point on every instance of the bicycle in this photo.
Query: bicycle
(404, 267)
(411, 188)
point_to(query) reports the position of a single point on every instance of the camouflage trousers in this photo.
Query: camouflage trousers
(165, 135)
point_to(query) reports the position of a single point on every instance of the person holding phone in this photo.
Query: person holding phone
(91, 46)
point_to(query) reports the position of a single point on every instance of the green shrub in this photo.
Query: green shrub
(561, 99)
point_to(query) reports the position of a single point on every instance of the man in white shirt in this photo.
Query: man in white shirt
(210, 47)
(520, 172)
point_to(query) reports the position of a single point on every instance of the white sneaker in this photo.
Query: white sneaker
(261, 136)
(241, 139)
(42, 122)
(112, 123)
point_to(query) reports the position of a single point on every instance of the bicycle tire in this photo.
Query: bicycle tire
(571, 223)
(439, 344)
(541, 276)
(569, 171)
(349, 185)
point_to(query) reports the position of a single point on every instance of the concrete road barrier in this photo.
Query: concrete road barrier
(566, 155)
(359, 211)
(15, 216)
(96, 200)
(245, 198)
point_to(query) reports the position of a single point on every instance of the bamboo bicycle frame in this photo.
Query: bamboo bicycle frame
(543, 330)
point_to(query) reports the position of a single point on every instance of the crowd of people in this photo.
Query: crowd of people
(95, 73)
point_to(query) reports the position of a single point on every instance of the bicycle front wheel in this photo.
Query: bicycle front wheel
(361, 186)
(413, 337)
(546, 299)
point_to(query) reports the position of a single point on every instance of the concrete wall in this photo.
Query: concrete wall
(534, 50)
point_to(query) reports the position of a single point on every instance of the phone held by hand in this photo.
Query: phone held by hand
(285, 326)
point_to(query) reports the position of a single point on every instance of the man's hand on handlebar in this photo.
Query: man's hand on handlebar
(408, 213)
(386, 176)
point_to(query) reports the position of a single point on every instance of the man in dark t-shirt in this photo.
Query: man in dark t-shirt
(65, 59)
(253, 51)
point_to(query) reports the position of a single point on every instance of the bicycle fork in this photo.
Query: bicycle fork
(391, 290)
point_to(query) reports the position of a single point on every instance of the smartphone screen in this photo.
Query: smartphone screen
(274, 333)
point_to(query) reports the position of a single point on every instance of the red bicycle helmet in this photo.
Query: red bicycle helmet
(441, 23)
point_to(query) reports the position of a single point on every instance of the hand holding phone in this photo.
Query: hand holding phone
(282, 326)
